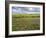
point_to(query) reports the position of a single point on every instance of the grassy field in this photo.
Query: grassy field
(26, 15)
(22, 22)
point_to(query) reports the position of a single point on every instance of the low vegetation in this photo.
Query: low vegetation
(26, 15)
(22, 22)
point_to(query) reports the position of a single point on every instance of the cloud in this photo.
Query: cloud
(27, 10)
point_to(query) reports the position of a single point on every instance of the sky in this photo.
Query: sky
(26, 10)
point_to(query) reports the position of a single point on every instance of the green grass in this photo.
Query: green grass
(22, 22)
(26, 15)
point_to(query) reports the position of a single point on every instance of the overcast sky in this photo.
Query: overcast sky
(26, 10)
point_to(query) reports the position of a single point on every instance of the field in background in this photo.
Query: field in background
(26, 15)
(22, 22)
